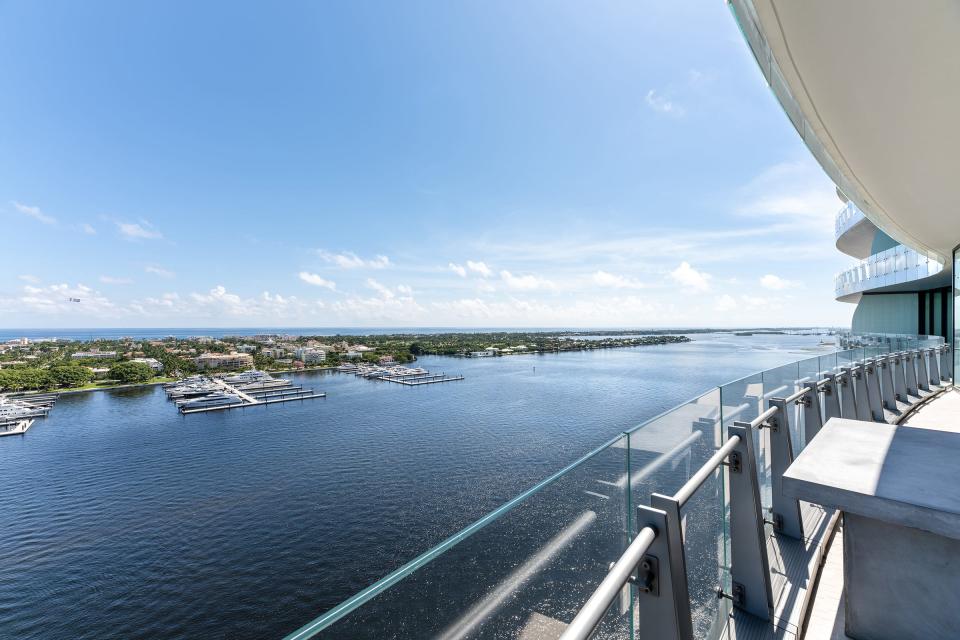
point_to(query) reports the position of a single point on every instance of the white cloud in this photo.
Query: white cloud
(317, 280)
(29, 278)
(795, 191)
(61, 300)
(159, 271)
(725, 302)
(689, 278)
(141, 230)
(662, 104)
(404, 290)
(776, 283)
(114, 280)
(350, 260)
(480, 268)
(88, 229)
(379, 288)
(458, 269)
(614, 281)
(525, 283)
(35, 213)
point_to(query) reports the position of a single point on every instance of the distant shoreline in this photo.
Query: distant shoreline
(151, 333)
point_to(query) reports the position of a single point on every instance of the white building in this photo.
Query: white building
(153, 363)
(93, 353)
(309, 355)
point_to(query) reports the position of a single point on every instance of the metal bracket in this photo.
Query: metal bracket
(735, 462)
(737, 597)
(773, 424)
(647, 579)
(777, 522)
(803, 401)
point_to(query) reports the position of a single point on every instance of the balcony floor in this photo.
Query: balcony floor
(826, 617)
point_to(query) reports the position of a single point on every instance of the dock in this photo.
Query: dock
(241, 405)
(413, 381)
(19, 411)
(399, 374)
(16, 428)
(202, 394)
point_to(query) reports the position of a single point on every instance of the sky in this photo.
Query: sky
(382, 164)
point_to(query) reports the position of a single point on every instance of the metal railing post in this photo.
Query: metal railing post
(911, 374)
(749, 566)
(848, 404)
(786, 511)
(872, 375)
(831, 397)
(812, 417)
(934, 366)
(862, 399)
(664, 610)
(900, 378)
(923, 378)
(886, 373)
(946, 362)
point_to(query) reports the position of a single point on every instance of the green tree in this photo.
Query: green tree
(416, 348)
(71, 375)
(131, 372)
(29, 379)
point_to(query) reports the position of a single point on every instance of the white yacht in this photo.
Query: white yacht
(211, 400)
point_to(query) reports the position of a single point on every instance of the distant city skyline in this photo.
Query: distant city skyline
(417, 165)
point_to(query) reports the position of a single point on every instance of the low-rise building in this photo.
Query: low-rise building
(310, 355)
(224, 361)
(274, 352)
(93, 353)
(153, 363)
(246, 348)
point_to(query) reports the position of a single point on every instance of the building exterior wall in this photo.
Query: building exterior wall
(886, 313)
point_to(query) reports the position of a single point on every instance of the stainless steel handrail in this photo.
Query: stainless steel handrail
(589, 617)
(690, 486)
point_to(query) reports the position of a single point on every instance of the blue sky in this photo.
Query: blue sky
(401, 164)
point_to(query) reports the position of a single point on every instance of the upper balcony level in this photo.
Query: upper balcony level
(899, 268)
(854, 232)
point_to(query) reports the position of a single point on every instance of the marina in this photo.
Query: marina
(19, 412)
(198, 394)
(408, 376)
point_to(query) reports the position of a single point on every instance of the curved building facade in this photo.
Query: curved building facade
(896, 288)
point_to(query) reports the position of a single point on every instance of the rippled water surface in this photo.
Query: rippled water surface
(121, 518)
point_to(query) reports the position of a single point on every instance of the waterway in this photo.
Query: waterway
(121, 518)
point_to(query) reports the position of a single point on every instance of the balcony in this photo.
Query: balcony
(854, 232)
(898, 265)
(543, 565)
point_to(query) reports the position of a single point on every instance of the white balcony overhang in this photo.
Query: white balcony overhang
(874, 90)
(854, 232)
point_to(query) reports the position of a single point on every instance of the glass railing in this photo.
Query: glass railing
(894, 266)
(526, 568)
(886, 342)
(848, 216)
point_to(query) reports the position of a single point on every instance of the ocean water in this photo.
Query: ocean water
(121, 518)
